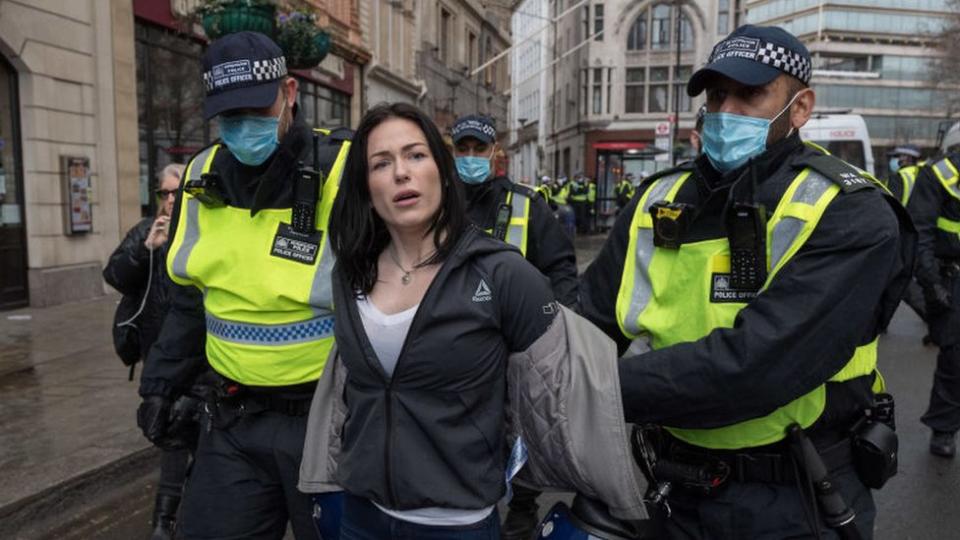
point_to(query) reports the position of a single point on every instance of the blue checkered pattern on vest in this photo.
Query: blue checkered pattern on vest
(314, 329)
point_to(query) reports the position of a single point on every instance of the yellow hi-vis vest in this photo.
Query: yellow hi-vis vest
(269, 319)
(946, 172)
(519, 222)
(908, 176)
(560, 194)
(665, 298)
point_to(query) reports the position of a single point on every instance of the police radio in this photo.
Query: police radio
(670, 223)
(747, 234)
(206, 189)
(502, 222)
(305, 196)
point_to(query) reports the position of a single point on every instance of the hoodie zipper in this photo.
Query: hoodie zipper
(388, 382)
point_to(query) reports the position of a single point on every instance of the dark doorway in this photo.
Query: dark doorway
(13, 241)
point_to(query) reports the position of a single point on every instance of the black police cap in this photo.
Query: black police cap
(754, 56)
(241, 70)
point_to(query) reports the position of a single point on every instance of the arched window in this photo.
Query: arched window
(686, 32)
(637, 36)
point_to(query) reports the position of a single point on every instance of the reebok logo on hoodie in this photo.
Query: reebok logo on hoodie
(483, 293)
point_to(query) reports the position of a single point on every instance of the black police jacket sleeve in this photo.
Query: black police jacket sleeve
(792, 338)
(551, 251)
(129, 265)
(177, 358)
(600, 283)
(924, 207)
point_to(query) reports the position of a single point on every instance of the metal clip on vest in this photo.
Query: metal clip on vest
(206, 190)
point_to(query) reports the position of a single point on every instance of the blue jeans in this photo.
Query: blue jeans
(364, 521)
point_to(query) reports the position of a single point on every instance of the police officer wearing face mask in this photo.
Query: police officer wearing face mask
(904, 166)
(751, 285)
(253, 305)
(517, 216)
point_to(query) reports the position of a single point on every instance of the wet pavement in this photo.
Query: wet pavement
(74, 465)
(66, 407)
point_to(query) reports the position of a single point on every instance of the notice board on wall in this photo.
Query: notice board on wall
(77, 194)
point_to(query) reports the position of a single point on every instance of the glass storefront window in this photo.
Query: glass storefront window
(323, 107)
(169, 104)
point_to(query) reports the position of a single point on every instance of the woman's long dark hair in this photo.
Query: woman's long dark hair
(357, 233)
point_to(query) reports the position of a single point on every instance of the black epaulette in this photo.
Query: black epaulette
(848, 177)
(521, 189)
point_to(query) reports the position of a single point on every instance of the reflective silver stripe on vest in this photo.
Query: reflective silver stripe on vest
(192, 232)
(271, 334)
(786, 231)
(943, 169)
(191, 235)
(642, 289)
(519, 209)
(321, 291)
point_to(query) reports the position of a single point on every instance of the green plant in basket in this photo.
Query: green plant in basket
(221, 17)
(303, 44)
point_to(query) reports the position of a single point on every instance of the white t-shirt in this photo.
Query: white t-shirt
(386, 334)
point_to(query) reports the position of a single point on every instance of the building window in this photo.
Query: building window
(471, 50)
(660, 21)
(723, 17)
(679, 88)
(322, 106)
(444, 36)
(637, 35)
(597, 90)
(659, 89)
(635, 89)
(660, 27)
(598, 22)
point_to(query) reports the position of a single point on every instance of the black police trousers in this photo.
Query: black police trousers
(755, 511)
(943, 413)
(244, 481)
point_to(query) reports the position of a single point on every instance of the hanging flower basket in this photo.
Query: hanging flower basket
(304, 45)
(221, 17)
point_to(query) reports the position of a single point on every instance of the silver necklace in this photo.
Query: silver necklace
(407, 277)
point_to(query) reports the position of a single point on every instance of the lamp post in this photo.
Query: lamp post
(676, 90)
(521, 122)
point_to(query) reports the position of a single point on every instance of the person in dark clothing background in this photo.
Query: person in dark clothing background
(752, 284)
(934, 206)
(530, 226)
(136, 263)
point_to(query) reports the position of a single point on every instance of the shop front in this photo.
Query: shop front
(13, 246)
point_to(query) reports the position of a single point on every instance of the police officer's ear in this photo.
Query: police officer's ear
(289, 87)
(803, 105)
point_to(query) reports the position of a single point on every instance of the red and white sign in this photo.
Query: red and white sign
(662, 129)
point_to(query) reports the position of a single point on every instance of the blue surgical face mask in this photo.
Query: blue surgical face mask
(473, 170)
(729, 140)
(894, 164)
(251, 139)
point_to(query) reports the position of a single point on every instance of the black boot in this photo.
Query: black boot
(522, 515)
(164, 517)
(942, 444)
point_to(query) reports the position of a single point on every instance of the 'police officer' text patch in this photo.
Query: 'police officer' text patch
(293, 246)
(722, 293)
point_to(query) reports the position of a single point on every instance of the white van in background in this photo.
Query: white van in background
(843, 135)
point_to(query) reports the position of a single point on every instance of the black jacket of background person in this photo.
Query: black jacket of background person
(832, 296)
(434, 433)
(929, 201)
(128, 271)
(178, 357)
(548, 246)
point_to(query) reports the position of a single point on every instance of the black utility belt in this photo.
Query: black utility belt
(702, 469)
(292, 400)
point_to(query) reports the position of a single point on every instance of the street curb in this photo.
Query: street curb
(54, 502)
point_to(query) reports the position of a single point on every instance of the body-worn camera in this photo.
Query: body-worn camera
(875, 443)
(206, 190)
(670, 223)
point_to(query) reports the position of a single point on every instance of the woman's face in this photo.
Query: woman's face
(403, 177)
(168, 194)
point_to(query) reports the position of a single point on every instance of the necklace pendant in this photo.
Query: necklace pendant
(405, 279)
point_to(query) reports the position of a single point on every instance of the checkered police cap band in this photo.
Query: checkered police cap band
(237, 73)
(771, 54)
(473, 124)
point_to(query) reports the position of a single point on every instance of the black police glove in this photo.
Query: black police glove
(153, 417)
(938, 298)
(184, 427)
